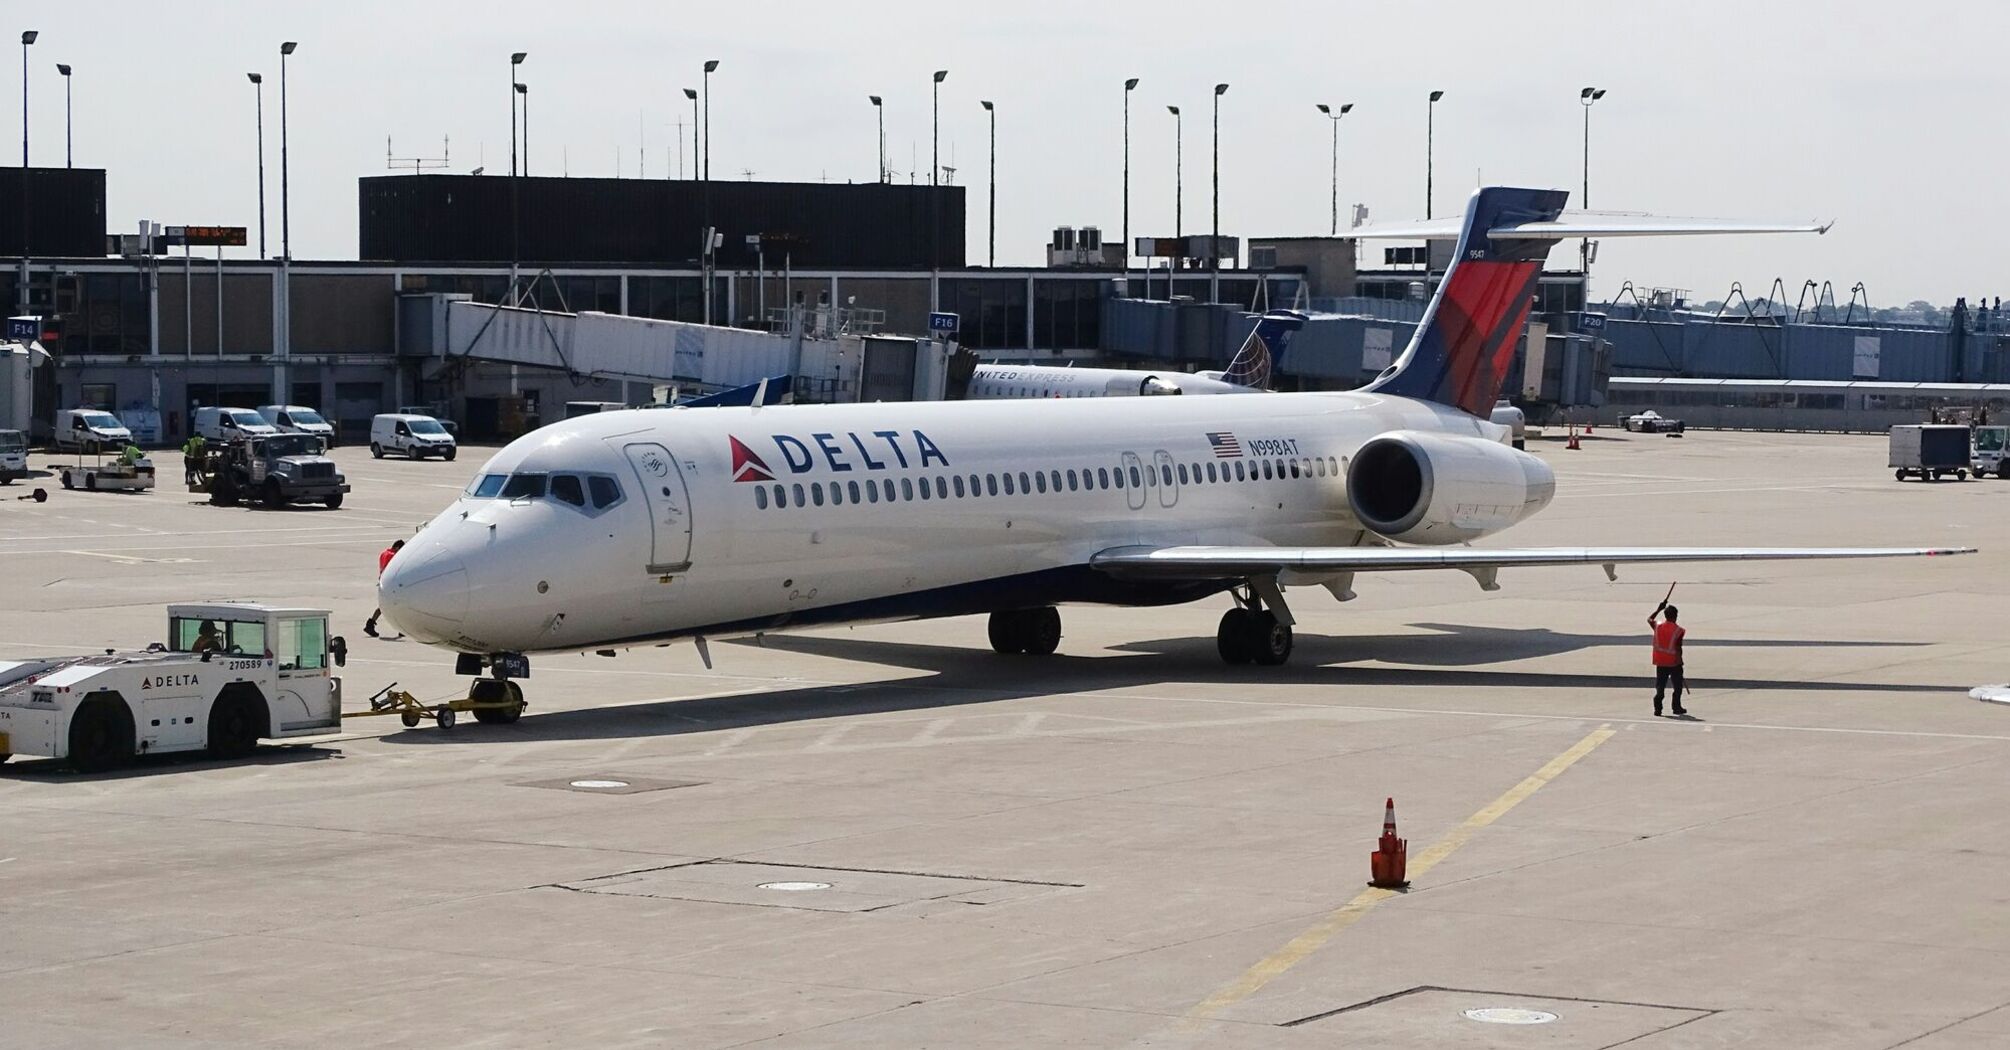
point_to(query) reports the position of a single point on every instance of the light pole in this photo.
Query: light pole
(1335, 119)
(991, 224)
(706, 83)
(21, 286)
(692, 94)
(69, 156)
(1430, 130)
(1586, 98)
(27, 37)
(515, 59)
(934, 176)
(879, 107)
(524, 90)
(1214, 246)
(285, 211)
(1179, 197)
(280, 394)
(1129, 86)
(258, 87)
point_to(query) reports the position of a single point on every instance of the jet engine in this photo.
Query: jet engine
(1149, 386)
(1418, 487)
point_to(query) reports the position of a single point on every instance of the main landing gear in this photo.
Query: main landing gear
(1251, 633)
(1036, 632)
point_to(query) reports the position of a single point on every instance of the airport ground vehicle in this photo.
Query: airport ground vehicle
(275, 470)
(1929, 450)
(265, 674)
(413, 436)
(118, 474)
(90, 430)
(1989, 447)
(1650, 422)
(436, 412)
(224, 424)
(1507, 415)
(298, 419)
(13, 456)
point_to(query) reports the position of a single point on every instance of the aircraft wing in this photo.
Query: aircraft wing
(1571, 225)
(1223, 563)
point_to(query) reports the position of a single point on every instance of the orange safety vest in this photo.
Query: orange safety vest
(1668, 644)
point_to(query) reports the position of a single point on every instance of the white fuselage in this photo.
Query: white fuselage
(991, 382)
(872, 512)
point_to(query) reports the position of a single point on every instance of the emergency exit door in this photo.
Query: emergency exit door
(669, 506)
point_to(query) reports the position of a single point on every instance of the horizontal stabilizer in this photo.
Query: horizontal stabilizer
(1572, 224)
(1226, 563)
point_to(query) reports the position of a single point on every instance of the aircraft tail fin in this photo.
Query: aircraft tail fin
(1254, 363)
(1461, 351)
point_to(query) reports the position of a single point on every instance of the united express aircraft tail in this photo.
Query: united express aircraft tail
(1253, 364)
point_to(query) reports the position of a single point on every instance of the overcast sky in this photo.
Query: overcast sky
(1876, 115)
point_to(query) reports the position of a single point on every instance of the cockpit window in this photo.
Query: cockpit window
(605, 492)
(566, 487)
(524, 486)
(486, 486)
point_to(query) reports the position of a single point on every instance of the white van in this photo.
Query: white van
(91, 430)
(227, 424)
(13, 456)
(414, 436)
(299, 419)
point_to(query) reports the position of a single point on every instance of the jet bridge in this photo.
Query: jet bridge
(828, 366)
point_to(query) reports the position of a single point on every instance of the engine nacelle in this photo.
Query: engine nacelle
(1149, 386)
(1419, 487)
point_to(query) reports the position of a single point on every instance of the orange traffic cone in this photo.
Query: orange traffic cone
(1386, 865)
(1587, 426)
(1572, 443)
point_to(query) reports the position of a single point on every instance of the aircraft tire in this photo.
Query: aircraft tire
(489, 690)
(1041, 631)
(1270, 642)
(1232, 639)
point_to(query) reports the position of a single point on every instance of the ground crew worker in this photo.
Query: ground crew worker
(192, 453)
(1667, 656)
(206, 639)
(383, 562)
(131, 455)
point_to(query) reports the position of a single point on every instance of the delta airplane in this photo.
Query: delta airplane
(627, 529)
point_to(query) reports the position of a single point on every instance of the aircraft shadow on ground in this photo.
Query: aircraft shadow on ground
(954, 677)
(1456, 645)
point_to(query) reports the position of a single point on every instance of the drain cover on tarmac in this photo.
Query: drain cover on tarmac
(1509, 1015)
(814, 889)
(1444, 1017)
(608, 784)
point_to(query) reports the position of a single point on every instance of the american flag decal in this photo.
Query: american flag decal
(1225, 445)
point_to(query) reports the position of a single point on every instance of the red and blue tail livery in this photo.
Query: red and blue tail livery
(1462, 349)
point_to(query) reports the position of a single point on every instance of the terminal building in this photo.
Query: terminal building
(159, 319)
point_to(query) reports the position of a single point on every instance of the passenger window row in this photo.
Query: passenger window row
(1025, 483)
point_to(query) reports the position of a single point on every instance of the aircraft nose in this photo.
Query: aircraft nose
(426, 597)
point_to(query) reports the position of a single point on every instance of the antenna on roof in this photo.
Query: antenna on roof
(418, 164)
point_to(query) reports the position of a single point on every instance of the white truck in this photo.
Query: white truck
(230, 674)
(1990, 444)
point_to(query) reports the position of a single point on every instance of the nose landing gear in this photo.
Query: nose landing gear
(1251, 633)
